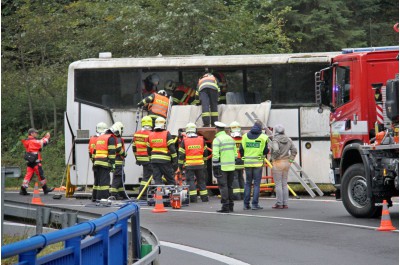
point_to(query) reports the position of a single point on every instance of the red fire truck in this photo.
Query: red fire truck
(361, 89)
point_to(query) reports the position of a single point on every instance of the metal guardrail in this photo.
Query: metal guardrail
(100, 241)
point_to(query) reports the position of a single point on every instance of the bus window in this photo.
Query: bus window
(258, 85)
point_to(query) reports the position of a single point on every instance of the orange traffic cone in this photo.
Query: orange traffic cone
(36, 196)
(159, 206)
(386, 222)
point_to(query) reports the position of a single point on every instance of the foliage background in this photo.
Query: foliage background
(41, 38)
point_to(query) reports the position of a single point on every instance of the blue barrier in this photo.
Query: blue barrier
(101, 241)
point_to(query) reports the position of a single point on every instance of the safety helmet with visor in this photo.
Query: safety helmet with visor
(235, 129)
(159, 123)
(117, 128)
(101, 127)
(147, 122)
(163, 93)
(154, 79)
(170, 85)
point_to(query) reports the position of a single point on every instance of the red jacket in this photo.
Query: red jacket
(33, 145)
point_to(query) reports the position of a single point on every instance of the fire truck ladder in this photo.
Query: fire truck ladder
(305, 181)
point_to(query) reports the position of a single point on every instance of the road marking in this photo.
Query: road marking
(205, 253)
(284, 218)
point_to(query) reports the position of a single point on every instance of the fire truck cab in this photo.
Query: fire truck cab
(361, 90)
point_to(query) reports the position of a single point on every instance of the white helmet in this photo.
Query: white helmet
(117, 128)
(169, 85)
(235, 129)
(163, 93)
(101, 127)
(191, 128)
(159, 123)
(154, 79)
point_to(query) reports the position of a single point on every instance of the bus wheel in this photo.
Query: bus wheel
(354, 193)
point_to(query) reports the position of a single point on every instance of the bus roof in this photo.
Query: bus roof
(204, 61)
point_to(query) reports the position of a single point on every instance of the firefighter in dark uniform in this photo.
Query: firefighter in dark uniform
(164, 159)
(238, 181)
(139, 148)
(117, 185)
(104, 163)
(181, 94)
(208, 90)
(149, 85)
(157, 105)
(192, 156)
(33, 158)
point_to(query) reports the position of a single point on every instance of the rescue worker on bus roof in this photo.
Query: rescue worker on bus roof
(253, 151)
(283, 153)
(104, 163)
(223, 86)
(33, 146)
(192, 156)
(101, 127)
(139, 148)
(149, 84)
(164, 159)
(157, 105)
(117, 189)
(208, 90)
(224, 154)
(238, 181)
(181, 94)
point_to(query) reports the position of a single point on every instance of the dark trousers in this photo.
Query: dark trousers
(225, 188)
(147, 172)
(209, 106)
(201, 183)
(101, 183)
(238, 185)
(117, 184)
(160, 169)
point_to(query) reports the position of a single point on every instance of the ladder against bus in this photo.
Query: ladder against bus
(305, 181)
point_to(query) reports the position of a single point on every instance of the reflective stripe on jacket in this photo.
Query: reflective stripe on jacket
(224, 151)
(194, 151)
(92, 145)
(33, 145)
(160, 105)
(159, 145)
(140, 145)
(207, 81)
(253, 150)
(120, 152)
(184, 95)
(239, 164)
(104, 153)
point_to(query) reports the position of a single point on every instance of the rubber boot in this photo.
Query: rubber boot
(23, 191)
(193, 198)
(46, 189)
(204, 198)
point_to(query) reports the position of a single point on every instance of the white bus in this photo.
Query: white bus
(279, 88)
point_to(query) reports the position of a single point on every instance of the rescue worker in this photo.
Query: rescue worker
(223, 86)
(104, 163)
(238, 181)
(117, 189)
(139, 148)
(163, 156)
(208, 90)
(149, 85)
(224, 154)
(283, 153)
(33, 146)
(101, 127)
(192, 155)
(254, 149)
(157, 105)
(181, 94)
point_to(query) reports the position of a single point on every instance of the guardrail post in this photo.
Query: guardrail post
(135, 230)
(39, 220)
(75, 243)
(28, 257)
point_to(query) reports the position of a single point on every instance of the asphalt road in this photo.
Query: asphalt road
(311, 231)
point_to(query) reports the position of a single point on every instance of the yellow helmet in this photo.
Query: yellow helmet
(159, 123)
(191, 128)
(147, 121)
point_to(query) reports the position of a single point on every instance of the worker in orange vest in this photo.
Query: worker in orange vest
(181, 94)
(139, 148)
(101, 127)
(208, 90)
(33, 158)
(157, 105)
(192, 156)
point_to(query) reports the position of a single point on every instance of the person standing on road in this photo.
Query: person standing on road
(104, 163)
(33, 158)
(224, 154)
(192, 154)
(117, 185)
(238, 182)
(164, 158)
(283, 153)
(101, 127)
(254, 149)
(139, 148)
(208, 90)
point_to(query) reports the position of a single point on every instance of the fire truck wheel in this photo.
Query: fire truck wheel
(354, 193)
